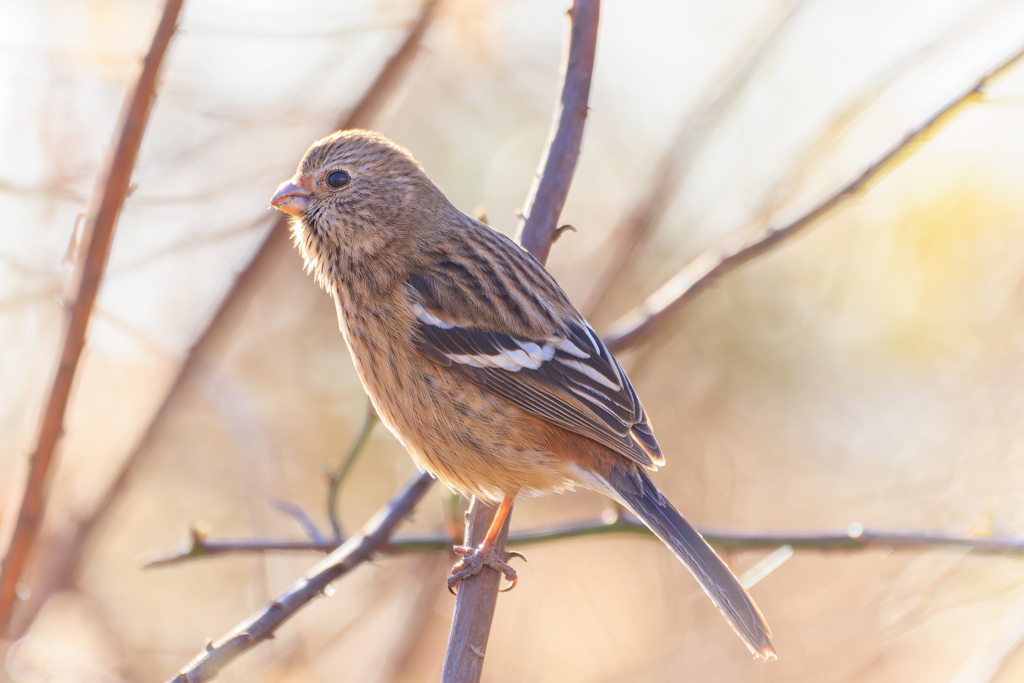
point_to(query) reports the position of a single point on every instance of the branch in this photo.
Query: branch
(855, 538)
(63, 560)
(751, 242)
(104, 208)
(361, 547)
(359, 442)
(474, 606)
(538, 225)
(537, 230)
(672, 169)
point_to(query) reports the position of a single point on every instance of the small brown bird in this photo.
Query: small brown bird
(474, 357)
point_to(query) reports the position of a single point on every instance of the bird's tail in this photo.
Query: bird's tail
(638, 493)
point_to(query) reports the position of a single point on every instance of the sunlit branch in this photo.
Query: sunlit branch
(672, 169)
(751, 242)
(105, 204)
(67, 548)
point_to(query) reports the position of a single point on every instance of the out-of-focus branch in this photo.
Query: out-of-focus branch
(751, 242)
(671, 170)
(537, 231)
(61, 562)
(337, 477)
(853, 539)
(104, 208)
(539, 222)
(832, 132)
(361, 547)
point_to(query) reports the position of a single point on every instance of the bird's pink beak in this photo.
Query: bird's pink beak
(290, 198)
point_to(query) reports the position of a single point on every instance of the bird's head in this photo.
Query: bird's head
(351, 198)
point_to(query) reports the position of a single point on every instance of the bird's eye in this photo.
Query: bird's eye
(338, 179)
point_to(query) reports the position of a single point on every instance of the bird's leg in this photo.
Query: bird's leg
(474, 559)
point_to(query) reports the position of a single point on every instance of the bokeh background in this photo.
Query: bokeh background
(868, 371)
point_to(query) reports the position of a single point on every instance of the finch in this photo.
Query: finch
(475, 358)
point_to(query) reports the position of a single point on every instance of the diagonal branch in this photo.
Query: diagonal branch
(104, 208)
(675, 165)
(749, 243)
(262, 626)
(62, 558)
(537, 230)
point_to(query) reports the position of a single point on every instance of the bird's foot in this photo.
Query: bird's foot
(475, 559)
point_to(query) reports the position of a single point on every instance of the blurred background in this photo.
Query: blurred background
(868, 371)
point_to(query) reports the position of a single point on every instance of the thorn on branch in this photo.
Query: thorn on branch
(561, 229)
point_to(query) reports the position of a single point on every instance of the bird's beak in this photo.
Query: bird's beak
(290, 198)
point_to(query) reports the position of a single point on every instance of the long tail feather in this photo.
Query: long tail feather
(636, 490)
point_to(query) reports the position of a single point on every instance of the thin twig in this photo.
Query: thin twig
(61, 564)
(751, 242)
(105, 207)
(262, 626)
(672, 169)
(537, 230)
(303, 520)
(359, 442)
(855, 538)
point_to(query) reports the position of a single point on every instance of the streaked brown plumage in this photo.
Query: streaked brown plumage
(474, 357)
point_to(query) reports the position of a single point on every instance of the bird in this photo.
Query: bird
(476, 360)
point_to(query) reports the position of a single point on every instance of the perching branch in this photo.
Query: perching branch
(474, 606)
(855, 538)
(537, 231)
(358, 549)
(751, 242)
(62, 561)
(104, 208)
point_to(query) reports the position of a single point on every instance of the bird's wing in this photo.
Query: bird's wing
(567, 377)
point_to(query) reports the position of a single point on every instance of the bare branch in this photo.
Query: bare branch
(474, 607)
(359, 442)
(672, 169)
(361, 547)
(550, 188)
(537, 231)
(855, 538)
(104, 208)
(62, 562)
(751, 242)
(831, 133)
(303, 520)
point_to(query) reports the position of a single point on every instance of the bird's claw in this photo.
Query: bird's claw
(475, 559)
